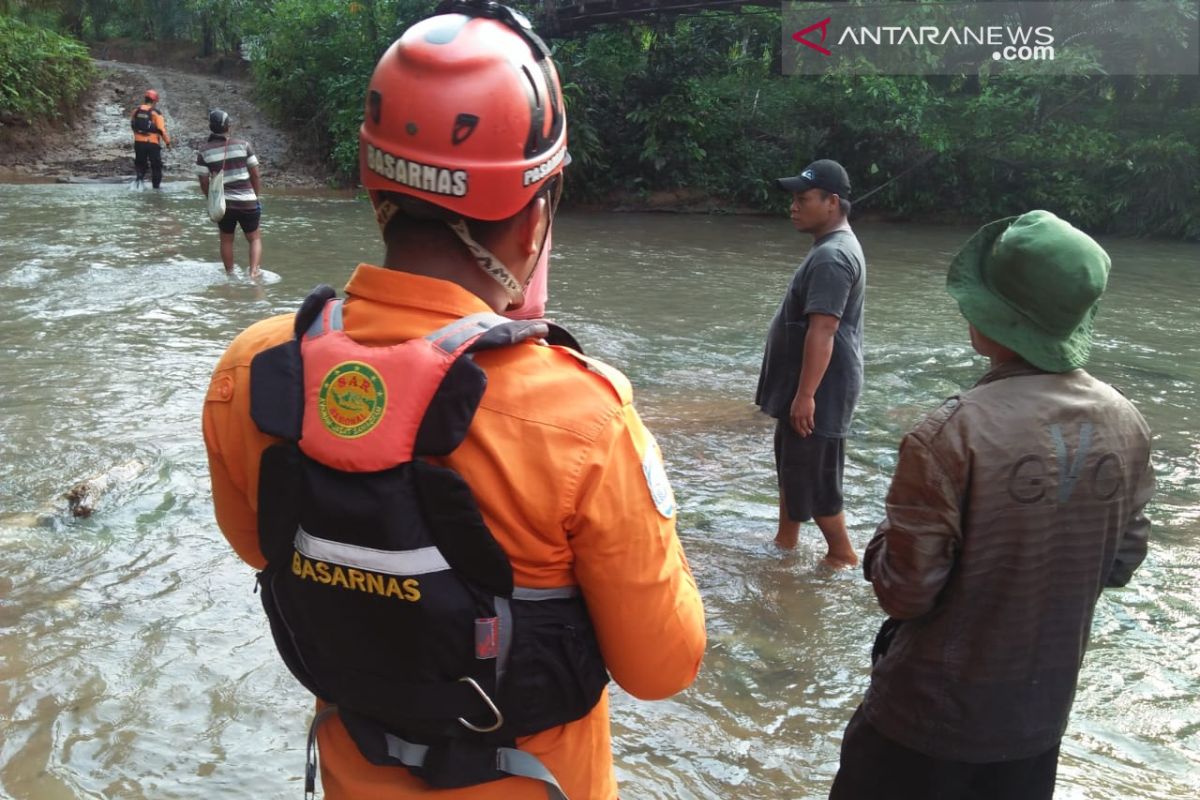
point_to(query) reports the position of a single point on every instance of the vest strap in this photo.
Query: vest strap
(311, 308)
(557, 593)
(509, 760)
(310, 756)
(453, 336)
(527, 765)
(504, 619)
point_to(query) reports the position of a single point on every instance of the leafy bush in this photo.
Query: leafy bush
(42, 74)
(699, 103)
(312, 62)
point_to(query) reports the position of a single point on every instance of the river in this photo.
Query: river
(134, 660)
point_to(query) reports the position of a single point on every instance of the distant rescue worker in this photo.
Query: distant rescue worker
(1012, 507)
(242, 186)
(462, 527)
(149, 135)
(812, 367)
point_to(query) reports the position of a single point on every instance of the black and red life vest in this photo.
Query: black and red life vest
(142, 120)
(387, 595)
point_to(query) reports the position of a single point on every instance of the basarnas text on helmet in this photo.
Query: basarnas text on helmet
(535, 174)
(427, 178)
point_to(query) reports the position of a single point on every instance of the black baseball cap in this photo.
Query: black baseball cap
(824, 174)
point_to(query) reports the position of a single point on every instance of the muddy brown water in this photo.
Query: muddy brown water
(134, 660)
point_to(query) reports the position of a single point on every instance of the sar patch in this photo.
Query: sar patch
(656, 480)
(352, 399)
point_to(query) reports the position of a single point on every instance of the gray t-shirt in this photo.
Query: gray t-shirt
(831, 280)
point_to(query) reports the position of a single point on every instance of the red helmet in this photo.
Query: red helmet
(152, 95)
(465, 111)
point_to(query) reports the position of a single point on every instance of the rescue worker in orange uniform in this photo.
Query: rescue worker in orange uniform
(462, 151)
(149, 135)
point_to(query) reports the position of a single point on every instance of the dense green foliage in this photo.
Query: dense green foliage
(42, 74)
(698, 103)
(312, 60)
(701, 103)
(215, 25)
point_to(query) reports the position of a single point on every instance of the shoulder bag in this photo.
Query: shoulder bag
(216, 190)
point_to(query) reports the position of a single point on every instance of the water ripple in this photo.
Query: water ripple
(134, 660)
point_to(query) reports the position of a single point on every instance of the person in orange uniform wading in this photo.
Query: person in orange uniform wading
(462, 527)
(149, 135)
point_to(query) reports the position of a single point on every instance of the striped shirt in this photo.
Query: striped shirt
(238, 157)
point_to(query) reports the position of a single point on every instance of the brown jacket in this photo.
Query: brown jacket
(1012, 507)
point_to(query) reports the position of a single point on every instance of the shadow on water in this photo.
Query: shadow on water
(134, 662)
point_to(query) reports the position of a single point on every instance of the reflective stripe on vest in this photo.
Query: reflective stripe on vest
(421, 561)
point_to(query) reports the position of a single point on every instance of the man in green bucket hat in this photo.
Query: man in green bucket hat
(1012, 506)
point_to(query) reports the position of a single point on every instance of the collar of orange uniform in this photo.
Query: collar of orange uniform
(418, 292)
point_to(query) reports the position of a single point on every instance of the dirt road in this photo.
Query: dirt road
(99, 145)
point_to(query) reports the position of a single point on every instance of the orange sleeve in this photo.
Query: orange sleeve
(161, 121)
(234, 443)
(630, 564)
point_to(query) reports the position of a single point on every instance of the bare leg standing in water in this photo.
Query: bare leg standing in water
(227, 250)
(840, 552)
(255, 241)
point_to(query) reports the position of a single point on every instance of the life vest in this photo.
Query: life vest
(142, 120)
(387, 595)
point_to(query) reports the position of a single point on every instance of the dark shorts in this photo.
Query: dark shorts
(874, 767)
(810, 472)
(234, 217)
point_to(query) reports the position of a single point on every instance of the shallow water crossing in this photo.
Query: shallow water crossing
(134, 659)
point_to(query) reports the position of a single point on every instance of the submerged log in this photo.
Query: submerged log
(83, 497)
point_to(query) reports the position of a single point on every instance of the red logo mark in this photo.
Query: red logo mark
(824, 26)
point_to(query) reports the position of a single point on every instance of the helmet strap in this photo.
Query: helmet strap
(488, 262)
(385, 209)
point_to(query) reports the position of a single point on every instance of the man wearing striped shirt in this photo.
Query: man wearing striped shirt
(242, 186)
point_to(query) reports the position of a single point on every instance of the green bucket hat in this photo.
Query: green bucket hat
(1033, 284)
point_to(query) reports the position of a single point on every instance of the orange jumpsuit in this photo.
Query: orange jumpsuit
(570, 483)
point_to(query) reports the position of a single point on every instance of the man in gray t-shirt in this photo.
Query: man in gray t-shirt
(812, 368)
